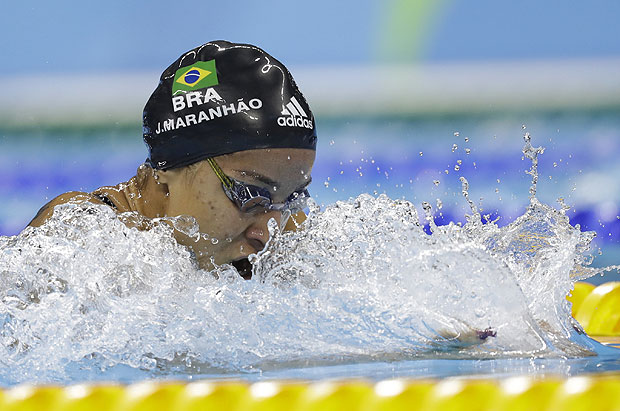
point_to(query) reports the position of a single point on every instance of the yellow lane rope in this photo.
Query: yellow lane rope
(597, 309)
(601, 392)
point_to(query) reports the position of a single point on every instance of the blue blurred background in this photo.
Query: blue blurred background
(114, 36)
(408, 95)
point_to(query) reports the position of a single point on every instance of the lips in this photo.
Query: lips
(244, 268)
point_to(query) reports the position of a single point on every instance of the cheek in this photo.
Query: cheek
(216, 215)
(219, 219)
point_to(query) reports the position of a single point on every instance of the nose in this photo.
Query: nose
(257, 234)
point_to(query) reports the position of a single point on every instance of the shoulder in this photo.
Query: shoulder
(71, 197)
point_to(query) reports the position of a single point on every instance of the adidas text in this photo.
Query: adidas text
(292, 121)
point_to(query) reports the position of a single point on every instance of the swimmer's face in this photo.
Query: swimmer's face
(231, 234)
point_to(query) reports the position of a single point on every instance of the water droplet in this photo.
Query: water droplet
(421, 154)
(456, 134)
(436, 182)
(468, 151)
(332, 142)
(457, 167)
(454, 147)
(214, 241)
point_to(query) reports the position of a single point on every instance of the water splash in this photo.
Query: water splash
(85, 293)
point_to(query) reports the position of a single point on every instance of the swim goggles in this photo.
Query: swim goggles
(248, 197)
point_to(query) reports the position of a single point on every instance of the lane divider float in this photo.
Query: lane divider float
(597, 309)
(600, 392)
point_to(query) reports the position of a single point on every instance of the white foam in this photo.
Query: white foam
(361, 281)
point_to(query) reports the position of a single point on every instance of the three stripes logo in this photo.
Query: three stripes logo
(293, 115)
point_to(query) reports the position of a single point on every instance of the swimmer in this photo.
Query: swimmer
(231, 142)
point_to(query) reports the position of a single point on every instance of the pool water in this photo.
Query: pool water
(376, 286)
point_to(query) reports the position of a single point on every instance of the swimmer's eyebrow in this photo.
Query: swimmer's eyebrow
(304, 185)
(268, 181)
(259, 177)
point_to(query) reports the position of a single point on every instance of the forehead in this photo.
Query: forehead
(279, 164)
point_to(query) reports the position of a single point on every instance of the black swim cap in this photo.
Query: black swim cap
(221, 98)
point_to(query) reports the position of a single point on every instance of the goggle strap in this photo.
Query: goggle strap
(220, 174)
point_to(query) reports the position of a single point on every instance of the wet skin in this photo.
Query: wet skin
(196, 191)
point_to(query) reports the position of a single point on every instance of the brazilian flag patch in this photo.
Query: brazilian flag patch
(199, 75)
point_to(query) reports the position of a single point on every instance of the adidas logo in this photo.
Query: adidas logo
(294, 116)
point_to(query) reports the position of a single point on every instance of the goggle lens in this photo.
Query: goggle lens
(248, 197)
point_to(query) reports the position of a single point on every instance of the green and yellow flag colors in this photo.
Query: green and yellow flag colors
(199, 75)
